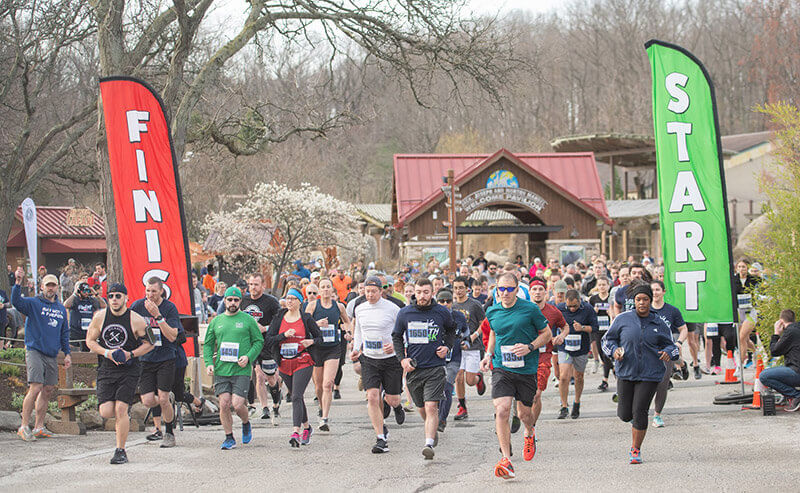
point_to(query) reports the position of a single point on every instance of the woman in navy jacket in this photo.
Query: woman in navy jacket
(640, 342)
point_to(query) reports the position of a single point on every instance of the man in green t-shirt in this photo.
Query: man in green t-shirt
(233, 340)
(518, 330)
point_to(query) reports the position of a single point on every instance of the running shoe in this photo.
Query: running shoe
(562, 414)
(793, 405)
(504, 469)
(717, 370)
(319, 412)
(169, 441)
(603, 386)
(481, 385)
(442, 425)
(265, 413)
(515, 424)
(706, 370)
(748, 364)
(120, 457)
(294, 441)
(42, 433)
(529, 449)
(576, 410)
(306, 438)
(155, 436)
(408, 406)
(323, 425)
(635, 456)
(247, 432)
(658, 422)
(386, 408)
(428, 452)
(399, 415)
(697, 374)
(380, 447)
(615, 397)
(462, 414)
(685, 371)
(336, 394)
(25, 433)
(228, 444)
(276, 416)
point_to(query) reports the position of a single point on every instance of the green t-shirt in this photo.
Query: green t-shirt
(519, 324)
(227, 339)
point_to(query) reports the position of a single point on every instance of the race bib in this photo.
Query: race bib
(289, 349)
(418, 332)
(373, 348)
(712, 330)
(328, 334)
(269, 366)
(85, 323)
(157, 336)
(603, 321)
(511, 360)
(228, 351)
(572, 342)
(543, 349)
(745, 301)
(602, 306)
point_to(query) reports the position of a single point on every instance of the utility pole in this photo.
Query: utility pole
(452, 219)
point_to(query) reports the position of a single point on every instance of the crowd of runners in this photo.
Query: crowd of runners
(417, 338)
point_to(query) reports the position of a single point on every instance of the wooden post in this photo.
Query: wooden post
(603, 241)
(452, 219)
(625, 244)
(626, 186)
(613, 179)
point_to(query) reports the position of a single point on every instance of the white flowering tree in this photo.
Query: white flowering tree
(276, 225)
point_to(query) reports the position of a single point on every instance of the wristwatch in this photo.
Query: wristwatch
(530, 346)
(159, 318)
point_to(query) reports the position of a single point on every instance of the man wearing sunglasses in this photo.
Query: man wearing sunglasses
(233, 340)
(120, 336)
(518, 330)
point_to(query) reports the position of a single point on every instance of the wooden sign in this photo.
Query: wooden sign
(80, 218)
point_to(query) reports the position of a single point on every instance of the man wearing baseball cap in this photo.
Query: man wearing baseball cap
(120, 336)
(46, 332)
(232, 342)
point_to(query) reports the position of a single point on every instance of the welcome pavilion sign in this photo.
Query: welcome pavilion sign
(501, 187)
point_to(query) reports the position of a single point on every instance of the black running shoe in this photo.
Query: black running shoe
(399, 414)
(515, 424)
(442, 426)
(265, 413)
(337, 395)
(155, 436)
(685, 371)
(386, 409)
(603, 386)
(562, 414)
(380, 447)
(576, 410)
(697, 374)
(120, 457)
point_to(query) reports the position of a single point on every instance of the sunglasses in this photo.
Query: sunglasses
(312, 293)
(504, 289)
(386, 286)
(233, 300)
(445, 301)
(115, 296)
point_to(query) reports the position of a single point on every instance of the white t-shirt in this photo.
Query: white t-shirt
(374, 323)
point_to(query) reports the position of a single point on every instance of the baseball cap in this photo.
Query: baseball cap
(233, 292)
(373, 281)
(560, 286)
(389, 280)
(315, 275)
(49, 279)
(117, 288)
(444, 295)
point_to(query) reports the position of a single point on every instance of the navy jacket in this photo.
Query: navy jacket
(46, 328)
(433, 322)
(642, 339)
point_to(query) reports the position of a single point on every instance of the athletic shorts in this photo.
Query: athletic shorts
(234, 384)
(426, 385)
(517, 385)
(159, 375)
(324, 353)
(579, 362)
(41, 368)
(694, 327)
(451, 370)
(543, 375)
(471, 360)
(382, 372)
(117, 384)
(268, 366)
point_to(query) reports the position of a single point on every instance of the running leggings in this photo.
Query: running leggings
(447, 402)
(297, 383)
(608, 365)
(728, 331)
(179, 389)
(338, 380)
(634, 401)
(663, 387)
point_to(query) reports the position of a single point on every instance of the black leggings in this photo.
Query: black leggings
(728, 331)
(179, 389)
(297, 383)
(663, 388)
(634, 400)
(338, 380)
(608, 365)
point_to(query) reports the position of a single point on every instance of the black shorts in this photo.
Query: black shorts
(426, 385)
(509, 384)
(324, 353)
(117, 384)
(159, 376)
(386, 373)
(694, 327)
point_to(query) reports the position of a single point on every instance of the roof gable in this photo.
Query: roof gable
(51, 221)
(418, 178)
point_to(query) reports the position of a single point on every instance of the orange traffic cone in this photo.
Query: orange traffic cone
(757, 386)
(730, 369)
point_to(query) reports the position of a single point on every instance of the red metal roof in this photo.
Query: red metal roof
(52, 222)
(418, 177)
(74, 245)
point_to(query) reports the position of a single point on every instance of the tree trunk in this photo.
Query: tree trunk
(6, 220)
(113, 252)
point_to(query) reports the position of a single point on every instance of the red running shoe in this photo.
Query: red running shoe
(529, 449)
(504, 469)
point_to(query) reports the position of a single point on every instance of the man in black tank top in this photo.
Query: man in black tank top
(116, 334)
(328, 312)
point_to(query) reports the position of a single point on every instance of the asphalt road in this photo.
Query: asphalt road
(703, 448)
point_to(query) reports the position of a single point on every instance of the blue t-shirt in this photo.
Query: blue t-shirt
(671, 316)
(164, 349)
(621, 299)
(519, 324)
(584, 315)
(425, 329)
